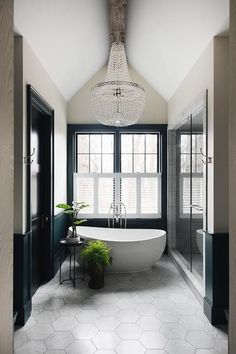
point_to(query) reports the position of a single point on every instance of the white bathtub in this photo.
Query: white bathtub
(133, 250)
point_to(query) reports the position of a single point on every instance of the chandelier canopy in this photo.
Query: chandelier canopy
(118, 101)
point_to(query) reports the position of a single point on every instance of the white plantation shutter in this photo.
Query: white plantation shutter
(128, 194)
(150, 195)
(84, 191)
(106, 188)
(185, 192)
(140, 193)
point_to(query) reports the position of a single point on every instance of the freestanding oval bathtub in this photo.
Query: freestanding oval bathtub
(133, 250)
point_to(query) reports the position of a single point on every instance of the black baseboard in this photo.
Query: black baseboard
(216, 315)
(23, 314)
(216, 300)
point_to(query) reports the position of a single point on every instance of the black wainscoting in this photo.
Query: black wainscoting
(216, 301)
(61, 224)
(23, 267)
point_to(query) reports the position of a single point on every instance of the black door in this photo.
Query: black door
(40, 212)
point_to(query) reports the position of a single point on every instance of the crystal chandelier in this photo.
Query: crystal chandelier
(118, 101)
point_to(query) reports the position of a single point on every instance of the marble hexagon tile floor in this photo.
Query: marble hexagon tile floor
(152, 312)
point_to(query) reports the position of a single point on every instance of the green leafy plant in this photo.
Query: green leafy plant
(97, 252)
(73, 212)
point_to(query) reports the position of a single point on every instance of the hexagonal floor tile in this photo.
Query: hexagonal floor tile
(81, 346)
(191, 323)
(126, 303)
(84, 331)
(87, 316)
(173, 331)
(153, 340)
(167, 316)
(179, 347)
(47, 316)
(107, 323)
(128, 316)
(179, 298)
(128, 331)
(109, 351)
(59, 340)
(31, 347)
(108, 309)
(106, 340)
(65, 323)
(149, 323)
(207, 351)
(146, 309)
(151, 351)
(130, 346)
(39, 331)
(163, 304)
(20, 338)
(53, 304)
(200, 339)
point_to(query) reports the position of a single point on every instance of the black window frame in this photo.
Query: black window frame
(72, 129)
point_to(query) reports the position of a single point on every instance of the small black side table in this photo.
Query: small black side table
(71, 247)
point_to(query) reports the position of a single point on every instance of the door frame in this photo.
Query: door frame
(36, 101)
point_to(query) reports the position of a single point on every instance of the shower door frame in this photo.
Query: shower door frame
(200, 104)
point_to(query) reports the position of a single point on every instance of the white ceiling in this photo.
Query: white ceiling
(70, 38)
(164, 37)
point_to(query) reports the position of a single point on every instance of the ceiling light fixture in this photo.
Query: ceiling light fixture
(117, 101)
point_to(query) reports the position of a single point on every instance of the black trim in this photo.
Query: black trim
(22, 277)
(72, 129)
(22, 267)
(35, 100)
(216, 301)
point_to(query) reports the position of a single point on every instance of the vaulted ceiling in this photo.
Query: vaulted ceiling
(164, 38)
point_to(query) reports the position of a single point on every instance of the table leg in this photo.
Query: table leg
(74, 267)
(60, 266)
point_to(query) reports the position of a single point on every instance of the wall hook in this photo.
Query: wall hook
(28, 159)
(208, 159)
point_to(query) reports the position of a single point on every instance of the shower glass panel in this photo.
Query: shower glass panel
(197, 191)
(187, 181)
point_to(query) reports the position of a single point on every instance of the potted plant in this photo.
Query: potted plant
(98, 255)
(73, 212)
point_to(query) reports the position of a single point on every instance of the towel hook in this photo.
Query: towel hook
(28, 159)
(208, 159)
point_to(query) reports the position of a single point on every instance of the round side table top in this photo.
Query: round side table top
(65, 242)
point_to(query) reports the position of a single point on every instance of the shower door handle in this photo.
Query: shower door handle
(198, 207)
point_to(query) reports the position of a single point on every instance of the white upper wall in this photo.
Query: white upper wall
(70, 38)
(210, 72)
(80, 110)
(163, 41)
(165, 37)
(32, 72)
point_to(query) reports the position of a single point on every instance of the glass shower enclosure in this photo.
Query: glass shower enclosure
(187, 185)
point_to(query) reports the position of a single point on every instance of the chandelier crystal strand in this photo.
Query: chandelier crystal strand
(118, 101)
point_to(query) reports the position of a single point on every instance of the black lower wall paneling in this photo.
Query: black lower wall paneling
(22, 277)
(22, 303)
(216, 301)
(61, 223)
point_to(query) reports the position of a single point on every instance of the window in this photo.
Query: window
(140, 153)
(95, 153)
(136, 181)
(191, 173)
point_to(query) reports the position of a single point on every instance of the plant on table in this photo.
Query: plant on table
(98, 255)
(73, 212)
